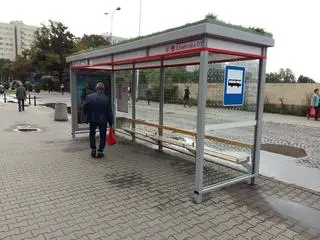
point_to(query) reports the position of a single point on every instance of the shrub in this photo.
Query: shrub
(170, 94)
(28, 87)
(37, 88)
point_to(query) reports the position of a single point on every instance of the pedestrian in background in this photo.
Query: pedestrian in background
(315, 99)
(62, 88)
(21, 95)
(186, 98)
(97, 112)
(149, 94)
(129, 93)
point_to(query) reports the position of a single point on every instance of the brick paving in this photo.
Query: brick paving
(51, 189)
(277, 129)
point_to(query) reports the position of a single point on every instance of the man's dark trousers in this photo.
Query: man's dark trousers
(21, 104)
(102, 130)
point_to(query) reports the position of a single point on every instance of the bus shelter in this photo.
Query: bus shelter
(203, 43)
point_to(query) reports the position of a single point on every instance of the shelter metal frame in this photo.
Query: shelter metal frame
(199, 44)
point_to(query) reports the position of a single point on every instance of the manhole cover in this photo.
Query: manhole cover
(26, 129)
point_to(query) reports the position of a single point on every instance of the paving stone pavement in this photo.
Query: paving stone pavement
(277, 129)
(51, 189)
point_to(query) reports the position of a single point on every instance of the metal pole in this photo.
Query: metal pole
(134, 79)
(34, 101)
(259, 115)
(29, 99)
(140, 18)
(114, 97)
(74, 110)
(5, 97)
(138, 74)
(137, 85)
(161, 103)
(201, 111)
(111, 28)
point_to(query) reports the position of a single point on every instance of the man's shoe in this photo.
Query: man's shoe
(100, 155)
(93, 153)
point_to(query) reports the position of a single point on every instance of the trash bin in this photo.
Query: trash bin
(60, 112)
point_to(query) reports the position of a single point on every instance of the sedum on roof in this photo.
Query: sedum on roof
(257, 31)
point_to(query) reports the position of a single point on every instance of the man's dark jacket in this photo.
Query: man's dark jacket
(97, 109)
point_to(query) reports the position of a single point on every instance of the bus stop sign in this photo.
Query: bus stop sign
(234, 79)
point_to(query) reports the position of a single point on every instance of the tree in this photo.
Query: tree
(215, 73)
(149, 76)
(5, 69)
(287, 75)
(177, 75)
(52, 44)
(273, 77)
(305, 79)
(282, 76)
(22, 68)
(90, 41)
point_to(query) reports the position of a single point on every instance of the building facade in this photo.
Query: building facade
(14, 38)
(24, 36)
(7, 41)
(112, 39)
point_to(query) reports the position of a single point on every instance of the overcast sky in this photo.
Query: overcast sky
(294, 24)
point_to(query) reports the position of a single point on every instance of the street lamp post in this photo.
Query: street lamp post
(137, 85)
(140, 19)
(111, 28)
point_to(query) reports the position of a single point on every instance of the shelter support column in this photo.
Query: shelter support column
(201, 111)
(259, 116)
(161, 104)
(74, 111)
(114, 97)
(133, 100)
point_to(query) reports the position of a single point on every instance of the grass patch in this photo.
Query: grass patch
(10, 91)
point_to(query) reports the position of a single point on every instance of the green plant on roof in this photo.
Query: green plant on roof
(257, 29)
(209, 18)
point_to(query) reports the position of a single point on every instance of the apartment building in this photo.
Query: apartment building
(14, 38)
(24, 36)
(113, 39)
(7, 41)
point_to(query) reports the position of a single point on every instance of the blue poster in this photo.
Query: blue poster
(85, 85)
(234, 80)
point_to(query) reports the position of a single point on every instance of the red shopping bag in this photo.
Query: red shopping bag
(111, 137)
(312, 112)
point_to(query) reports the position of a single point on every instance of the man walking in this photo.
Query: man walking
(149, 94)
(97, 111)
(62, 88)
(186, 98)
(21, 96)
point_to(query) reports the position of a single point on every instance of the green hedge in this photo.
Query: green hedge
(287, 109)
(170, 94)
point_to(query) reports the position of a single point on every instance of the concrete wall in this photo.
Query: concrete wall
(291, 94)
